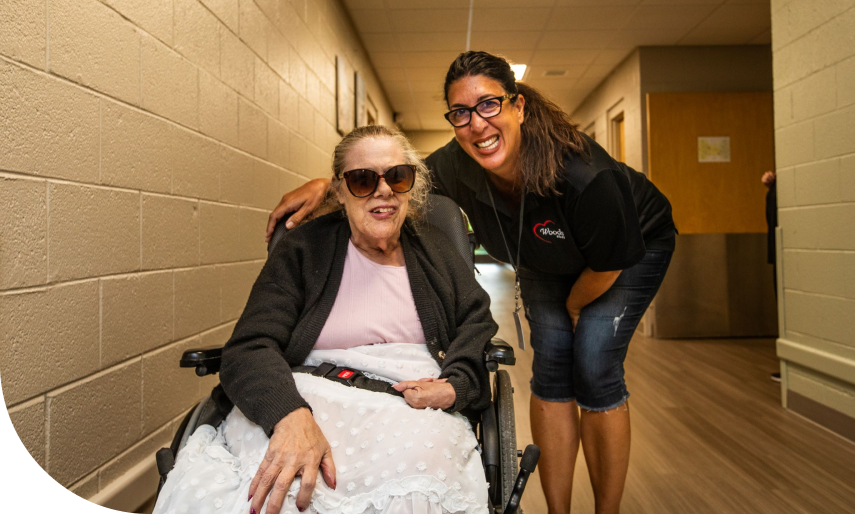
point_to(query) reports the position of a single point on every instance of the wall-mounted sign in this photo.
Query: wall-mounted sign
(713, 149)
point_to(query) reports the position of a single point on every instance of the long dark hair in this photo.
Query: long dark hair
(547, 131)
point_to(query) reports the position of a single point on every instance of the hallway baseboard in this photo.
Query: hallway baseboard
(809, 356)
(833, 420)
(132, 490)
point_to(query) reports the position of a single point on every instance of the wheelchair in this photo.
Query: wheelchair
(494, 427)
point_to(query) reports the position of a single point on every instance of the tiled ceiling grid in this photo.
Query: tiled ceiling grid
(411, 43)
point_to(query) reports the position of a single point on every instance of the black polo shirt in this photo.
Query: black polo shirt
(605, 218)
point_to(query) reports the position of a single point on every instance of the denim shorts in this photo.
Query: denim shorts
(587, 366)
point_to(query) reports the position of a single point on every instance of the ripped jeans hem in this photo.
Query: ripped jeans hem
(553, 400)
(607, 408)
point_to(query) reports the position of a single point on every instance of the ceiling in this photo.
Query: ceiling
(411, 42)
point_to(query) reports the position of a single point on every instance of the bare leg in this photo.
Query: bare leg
(606, 440)
(555, 428)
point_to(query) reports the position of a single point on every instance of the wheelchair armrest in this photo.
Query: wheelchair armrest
(498, 352)
(205, 360)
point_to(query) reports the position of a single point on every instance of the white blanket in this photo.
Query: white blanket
(389, 457)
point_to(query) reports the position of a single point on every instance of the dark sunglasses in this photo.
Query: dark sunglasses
(362, 183)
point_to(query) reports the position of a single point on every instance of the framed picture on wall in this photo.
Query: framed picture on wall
(361, 108)
(371, 116)
(343, 98)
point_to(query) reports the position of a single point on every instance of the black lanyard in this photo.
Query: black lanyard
(514, 263)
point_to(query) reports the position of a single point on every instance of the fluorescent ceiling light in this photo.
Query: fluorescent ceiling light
(519, 70)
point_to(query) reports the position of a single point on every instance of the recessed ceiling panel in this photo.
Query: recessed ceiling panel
(666, 17)
(402, 99)
(513, 56)
(730, 23)
(599, 17)
(525, 18)
(631, 37)
(429, 59)
(570, 39)
(387, 59)
(537, 75)
(509, 39)
(379, 42)
(396, 86)
(569, 45)
(432, 41)
(573, 56)
(429, 20)
(419, 74)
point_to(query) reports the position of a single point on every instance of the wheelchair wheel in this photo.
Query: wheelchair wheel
(504, 401)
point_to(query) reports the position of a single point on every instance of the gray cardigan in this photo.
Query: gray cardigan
(293, 296)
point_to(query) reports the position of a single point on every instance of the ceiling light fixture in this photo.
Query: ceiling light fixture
(519, 70)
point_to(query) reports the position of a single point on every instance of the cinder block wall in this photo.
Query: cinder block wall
(814, 75)
(142, 144)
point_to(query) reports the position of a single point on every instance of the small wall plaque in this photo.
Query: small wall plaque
(713, 149)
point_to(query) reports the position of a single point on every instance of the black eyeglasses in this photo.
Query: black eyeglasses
(362, 183)
(488, 108)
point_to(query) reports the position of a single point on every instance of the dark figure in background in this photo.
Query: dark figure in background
(768, 179)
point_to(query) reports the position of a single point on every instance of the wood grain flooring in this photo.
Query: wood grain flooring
(709, 434)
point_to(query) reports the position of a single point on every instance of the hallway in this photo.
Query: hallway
(709, 433)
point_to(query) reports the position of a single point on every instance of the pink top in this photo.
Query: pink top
(374, 305)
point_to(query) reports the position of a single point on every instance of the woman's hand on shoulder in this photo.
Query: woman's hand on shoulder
(434, 393)
(301, 201)
(297, 448)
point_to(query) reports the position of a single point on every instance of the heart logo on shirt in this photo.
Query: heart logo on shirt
(543, 230)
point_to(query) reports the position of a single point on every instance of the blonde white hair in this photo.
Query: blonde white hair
(421, 187)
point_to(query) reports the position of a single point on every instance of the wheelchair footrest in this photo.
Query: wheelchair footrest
(527, 467)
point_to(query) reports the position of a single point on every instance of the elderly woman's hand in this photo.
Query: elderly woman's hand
(297, 448)
(435, 393)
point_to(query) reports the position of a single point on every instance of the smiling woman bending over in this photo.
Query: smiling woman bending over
(360, 287)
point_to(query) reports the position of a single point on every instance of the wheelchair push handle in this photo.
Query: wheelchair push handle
(527, 465)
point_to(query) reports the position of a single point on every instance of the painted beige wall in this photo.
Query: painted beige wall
(619, 92)
(426, 141)
(143, 144)
(700, 69)
(652, 69)
(814, 73)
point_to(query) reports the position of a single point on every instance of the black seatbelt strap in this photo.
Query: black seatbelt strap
(348, 377)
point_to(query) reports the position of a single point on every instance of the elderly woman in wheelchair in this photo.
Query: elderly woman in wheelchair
(361, 288)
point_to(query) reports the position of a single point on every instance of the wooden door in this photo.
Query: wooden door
(712, 197)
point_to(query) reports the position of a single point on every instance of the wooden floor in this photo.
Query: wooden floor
(709, 434)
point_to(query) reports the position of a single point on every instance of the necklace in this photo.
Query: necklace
(514, 262)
